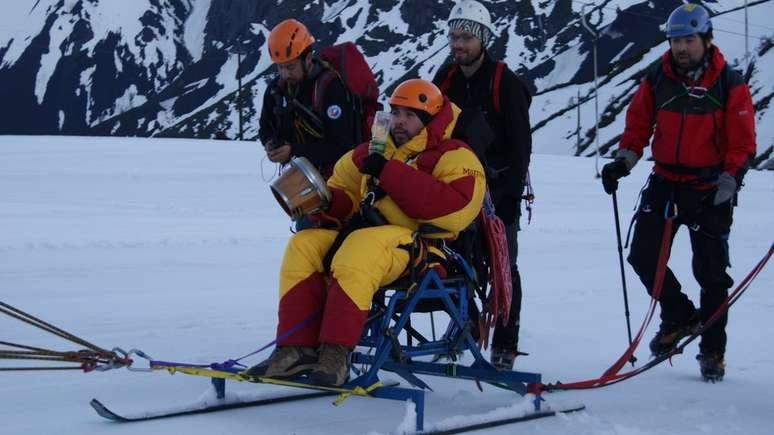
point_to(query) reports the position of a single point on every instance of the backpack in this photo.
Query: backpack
(529, 195)
(495, 85)
(717, 92)
(349, 64)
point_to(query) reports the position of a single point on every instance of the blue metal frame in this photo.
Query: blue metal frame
(385, 325)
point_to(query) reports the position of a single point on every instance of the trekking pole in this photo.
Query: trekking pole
(623, 275)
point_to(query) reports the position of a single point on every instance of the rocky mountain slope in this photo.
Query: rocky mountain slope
(173, 68)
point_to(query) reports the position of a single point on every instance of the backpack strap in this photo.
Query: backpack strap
(498, 76)
(654, 78)
(342, 70)
(321, 84)
(723, 84)
(446, 83)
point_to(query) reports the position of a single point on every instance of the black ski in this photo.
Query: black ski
(103, 411)
(502, 421)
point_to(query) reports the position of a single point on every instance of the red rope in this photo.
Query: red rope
(500, 268)
(612, 376)
(658, 281)
(498, 302)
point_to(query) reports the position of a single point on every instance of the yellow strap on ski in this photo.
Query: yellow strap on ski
(210, 373)
(200, 371)
(357, 391)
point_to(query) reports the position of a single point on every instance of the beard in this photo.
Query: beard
(466, 57)
(399, 136)
(686, 63)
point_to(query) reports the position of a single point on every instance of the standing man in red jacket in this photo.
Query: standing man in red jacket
(704, 136)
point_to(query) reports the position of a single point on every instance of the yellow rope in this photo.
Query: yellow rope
(357, 391)
(199, 371)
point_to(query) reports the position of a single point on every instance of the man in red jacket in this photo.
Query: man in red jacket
(704, 136)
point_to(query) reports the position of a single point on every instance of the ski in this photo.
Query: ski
(502, 421)
(107, 413)
(321, 391)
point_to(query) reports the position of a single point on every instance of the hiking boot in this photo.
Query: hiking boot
(285, 362)
(332, 367)
(670, 334)
(259, 369)
(503, 359)
(712, 366)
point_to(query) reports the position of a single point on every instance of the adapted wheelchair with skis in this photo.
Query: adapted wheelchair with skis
(391, 343)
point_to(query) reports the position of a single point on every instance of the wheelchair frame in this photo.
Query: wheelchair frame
(381, 334)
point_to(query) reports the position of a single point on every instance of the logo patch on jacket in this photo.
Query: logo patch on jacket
(333, 112)
(472, 172)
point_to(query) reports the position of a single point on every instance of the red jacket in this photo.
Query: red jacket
(700, 127)
(431, 179)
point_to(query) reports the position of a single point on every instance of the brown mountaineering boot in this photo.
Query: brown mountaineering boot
(503, 359)
(333, 365)
(712, 366)
(670, 333)
(285, 362)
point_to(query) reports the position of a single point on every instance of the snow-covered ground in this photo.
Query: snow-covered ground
(173, 247)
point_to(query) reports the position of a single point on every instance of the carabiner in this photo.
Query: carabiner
(670, 211)
(141, 354)
(369, 199)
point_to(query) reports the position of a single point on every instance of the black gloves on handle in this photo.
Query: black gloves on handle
(611, 172)
(618, 168)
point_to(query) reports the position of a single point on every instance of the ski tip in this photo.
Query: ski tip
(103, 411)
(571, 409)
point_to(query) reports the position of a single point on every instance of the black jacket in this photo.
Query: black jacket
(321, 134)
(507, 156)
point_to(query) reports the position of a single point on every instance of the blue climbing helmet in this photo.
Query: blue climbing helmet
(688, 19)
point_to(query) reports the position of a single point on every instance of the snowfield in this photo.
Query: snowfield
(174, 246)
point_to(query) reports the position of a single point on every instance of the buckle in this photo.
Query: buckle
(369, 199)
(670, 211)
(698, 92)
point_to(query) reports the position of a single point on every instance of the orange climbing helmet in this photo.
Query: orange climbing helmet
(288, 40)
(418, 94)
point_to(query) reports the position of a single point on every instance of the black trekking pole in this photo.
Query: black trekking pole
(623, 275)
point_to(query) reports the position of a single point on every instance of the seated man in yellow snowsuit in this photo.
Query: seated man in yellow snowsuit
(425, 178)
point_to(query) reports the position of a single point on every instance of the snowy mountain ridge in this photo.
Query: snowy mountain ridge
(172, 67)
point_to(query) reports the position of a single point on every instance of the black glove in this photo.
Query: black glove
(507, 209)
(373, 165)
(611, 172)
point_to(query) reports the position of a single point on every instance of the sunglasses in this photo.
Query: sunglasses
(464, 37)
